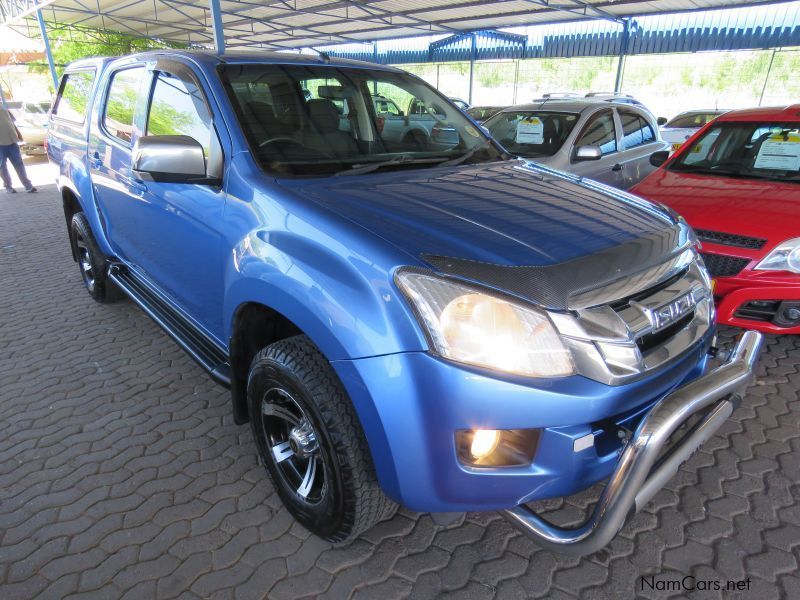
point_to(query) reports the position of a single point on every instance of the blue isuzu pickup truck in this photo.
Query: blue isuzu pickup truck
(414, 321)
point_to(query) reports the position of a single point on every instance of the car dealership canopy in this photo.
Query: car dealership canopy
(286, 24)
(297, 24)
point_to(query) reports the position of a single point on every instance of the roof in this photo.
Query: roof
(701, 111)
(576, 105)
(211, 59)
(765, 113)
(304, 23)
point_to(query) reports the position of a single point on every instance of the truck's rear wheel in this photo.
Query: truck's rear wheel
(311, 442)
(91, 261)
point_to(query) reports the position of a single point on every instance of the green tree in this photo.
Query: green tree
(70, 44)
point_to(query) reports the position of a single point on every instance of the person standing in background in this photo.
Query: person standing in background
(9, 151)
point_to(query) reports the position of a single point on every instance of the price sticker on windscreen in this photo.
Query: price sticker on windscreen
(780, 152)
(530, 130)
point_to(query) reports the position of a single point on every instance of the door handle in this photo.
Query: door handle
(617, 167)
(137, 185)
(95, 161)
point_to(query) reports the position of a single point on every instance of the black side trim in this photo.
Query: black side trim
(208, 353)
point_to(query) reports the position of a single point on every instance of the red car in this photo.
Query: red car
(737, 183)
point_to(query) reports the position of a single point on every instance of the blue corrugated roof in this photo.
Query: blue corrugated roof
(766, 26)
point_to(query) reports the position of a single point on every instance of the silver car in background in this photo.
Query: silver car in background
(604, 140)
(684, 125)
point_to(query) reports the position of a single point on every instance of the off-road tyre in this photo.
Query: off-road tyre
(291, 380)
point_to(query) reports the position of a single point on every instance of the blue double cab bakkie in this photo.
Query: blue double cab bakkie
(501, 332)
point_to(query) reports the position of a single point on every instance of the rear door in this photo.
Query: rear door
(67, 125)
(599, 130)
(115, 127)
(639, 141)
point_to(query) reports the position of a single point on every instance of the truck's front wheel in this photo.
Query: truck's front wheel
(311, 442)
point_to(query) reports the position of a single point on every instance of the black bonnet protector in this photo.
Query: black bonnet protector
(586, 281)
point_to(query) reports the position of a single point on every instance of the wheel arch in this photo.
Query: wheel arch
(255, 325)
(71, 206)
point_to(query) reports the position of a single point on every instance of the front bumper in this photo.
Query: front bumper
(736, 297)
(411, 404)
(640, 471)
(33, 149)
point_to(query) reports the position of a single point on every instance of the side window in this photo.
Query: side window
(73, 96)
(121, 103)
(635, 130)
(600, 132)
(178, 107)
(386, 107)
(416, 107)
(704, 149)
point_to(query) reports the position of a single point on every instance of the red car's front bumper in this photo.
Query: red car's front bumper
(761, 300)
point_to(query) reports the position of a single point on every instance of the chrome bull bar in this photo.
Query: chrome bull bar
(635, 480)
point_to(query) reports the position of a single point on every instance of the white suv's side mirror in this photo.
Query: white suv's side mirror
(588, 153)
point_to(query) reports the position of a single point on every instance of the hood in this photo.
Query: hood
(509, 213)
(751, 207)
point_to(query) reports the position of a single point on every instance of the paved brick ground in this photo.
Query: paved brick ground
(123, 475)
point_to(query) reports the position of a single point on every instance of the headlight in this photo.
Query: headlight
(472, 326)
(786, 257)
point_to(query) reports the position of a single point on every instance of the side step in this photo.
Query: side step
(207, 352)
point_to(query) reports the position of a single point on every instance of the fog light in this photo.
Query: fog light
(497, 447)
(484, 442)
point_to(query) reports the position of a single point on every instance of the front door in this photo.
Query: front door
(181, 247)
(600, 131)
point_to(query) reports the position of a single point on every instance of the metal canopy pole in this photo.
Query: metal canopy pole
(219, 33)
(472, 55)
(766, 77)
(47, 51)
(375, 60)
(623, 50)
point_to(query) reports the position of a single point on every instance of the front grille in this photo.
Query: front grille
(721, 265)
(730, 239)
(623, 303)
(623, 339)
(658, 338)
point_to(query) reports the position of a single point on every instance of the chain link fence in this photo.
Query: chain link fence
(666, 83)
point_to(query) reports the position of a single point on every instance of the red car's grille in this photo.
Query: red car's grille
(719, 265)
(729, 239)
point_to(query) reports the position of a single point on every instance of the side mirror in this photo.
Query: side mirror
(400, 113)
(659, 158)
(170, 159)
(485, 130)
(661, 121)
(588, 153)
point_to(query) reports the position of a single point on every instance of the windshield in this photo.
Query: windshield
(531, 133)
(691, 121)
(327, 119)
(749, 150)
(481, 113)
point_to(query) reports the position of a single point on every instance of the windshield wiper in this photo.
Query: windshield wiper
(402, 159)
(467, 155)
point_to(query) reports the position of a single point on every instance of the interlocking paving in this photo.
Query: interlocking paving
(123, 475)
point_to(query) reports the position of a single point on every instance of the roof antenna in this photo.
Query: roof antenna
(323, 55)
